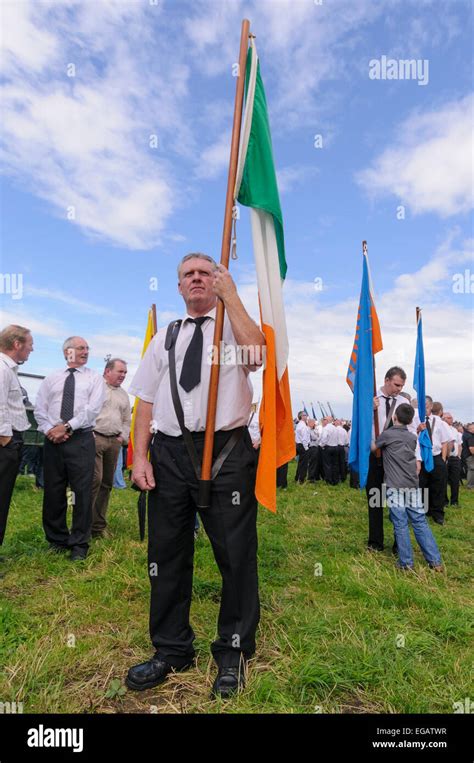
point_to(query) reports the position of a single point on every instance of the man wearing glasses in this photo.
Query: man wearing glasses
(67, 405)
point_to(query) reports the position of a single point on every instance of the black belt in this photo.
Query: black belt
(106, 435)
(81, 431)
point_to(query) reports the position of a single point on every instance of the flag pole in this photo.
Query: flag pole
(205, 481)
(376, 413)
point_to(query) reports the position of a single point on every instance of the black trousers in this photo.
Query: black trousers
(454, 478)
(230, 524)
(435, 481)
(282, 476)
(303, 459)
(331, 464)
(342, 463)
(68, 463)
(373, 489)
(313, 463)
(354, 479)
(10, 458)
(321, 463)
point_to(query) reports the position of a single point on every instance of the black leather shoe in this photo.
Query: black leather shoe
(438, 520)
(229, 681)
(146, 675)
(78, 554)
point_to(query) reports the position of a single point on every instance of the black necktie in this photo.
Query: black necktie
(191, 370)
(388, 403)
(67, 403)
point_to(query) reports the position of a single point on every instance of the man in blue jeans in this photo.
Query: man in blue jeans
(399, 447)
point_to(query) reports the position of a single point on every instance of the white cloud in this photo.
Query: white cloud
(215, 158)
(68, 299)
(321, 334)
(428, 167)
(83, 142)
(293, 176)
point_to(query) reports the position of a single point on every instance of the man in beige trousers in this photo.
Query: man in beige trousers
(111, 431)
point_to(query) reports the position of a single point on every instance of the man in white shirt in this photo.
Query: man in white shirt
(454, 462)
(16, 344)
(172, 384)
(313, 458)
(435, 481)
(67, 405)
(112, 429)
(302, 438)
(330, 445)
(386, 402)
(342, 442)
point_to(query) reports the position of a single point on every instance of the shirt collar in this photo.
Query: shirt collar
(209, 314)
(81, 369)
(8, 360)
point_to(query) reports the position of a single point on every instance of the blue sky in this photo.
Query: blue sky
(91, 212)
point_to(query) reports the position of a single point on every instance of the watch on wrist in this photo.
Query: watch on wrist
(68, 427)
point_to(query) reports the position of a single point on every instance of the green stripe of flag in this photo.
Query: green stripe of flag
(259, 184)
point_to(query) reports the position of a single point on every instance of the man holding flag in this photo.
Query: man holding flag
(177, 411)
(371, 415)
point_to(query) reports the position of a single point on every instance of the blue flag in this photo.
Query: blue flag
(304, 408)
(363, 385)
(419, 384)
(312, 408)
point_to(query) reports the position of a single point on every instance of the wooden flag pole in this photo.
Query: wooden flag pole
(376, 413)
(205, 482)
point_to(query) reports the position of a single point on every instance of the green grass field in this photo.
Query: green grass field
(359, 637)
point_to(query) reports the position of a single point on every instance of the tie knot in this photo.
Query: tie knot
(198, 321)
(72, 370)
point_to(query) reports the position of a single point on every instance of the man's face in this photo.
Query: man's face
(195, 284)
(115, 376)
(78, 353)
(448, 419)
(22, 350)
(429, 407)
(394, 385)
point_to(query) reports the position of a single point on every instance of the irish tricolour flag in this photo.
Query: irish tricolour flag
(256, 187)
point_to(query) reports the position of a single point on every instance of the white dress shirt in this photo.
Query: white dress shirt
(313, 437)
(89, 397)
(302, 434)
(151, 382)
(342, 436)
(329, 436)
(440, 432)
(457, 441)
(12, 411)
(382, 414)
(254, 429)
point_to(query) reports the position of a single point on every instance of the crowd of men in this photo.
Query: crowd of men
(323, 452)
(85, 418)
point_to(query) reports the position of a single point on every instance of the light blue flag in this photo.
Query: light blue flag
(363, 385)
(419, 384)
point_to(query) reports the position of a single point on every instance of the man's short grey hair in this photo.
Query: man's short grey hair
(110, 365)
(68, 342)
(195, 255)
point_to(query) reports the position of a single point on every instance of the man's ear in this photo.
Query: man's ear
(179, 288)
